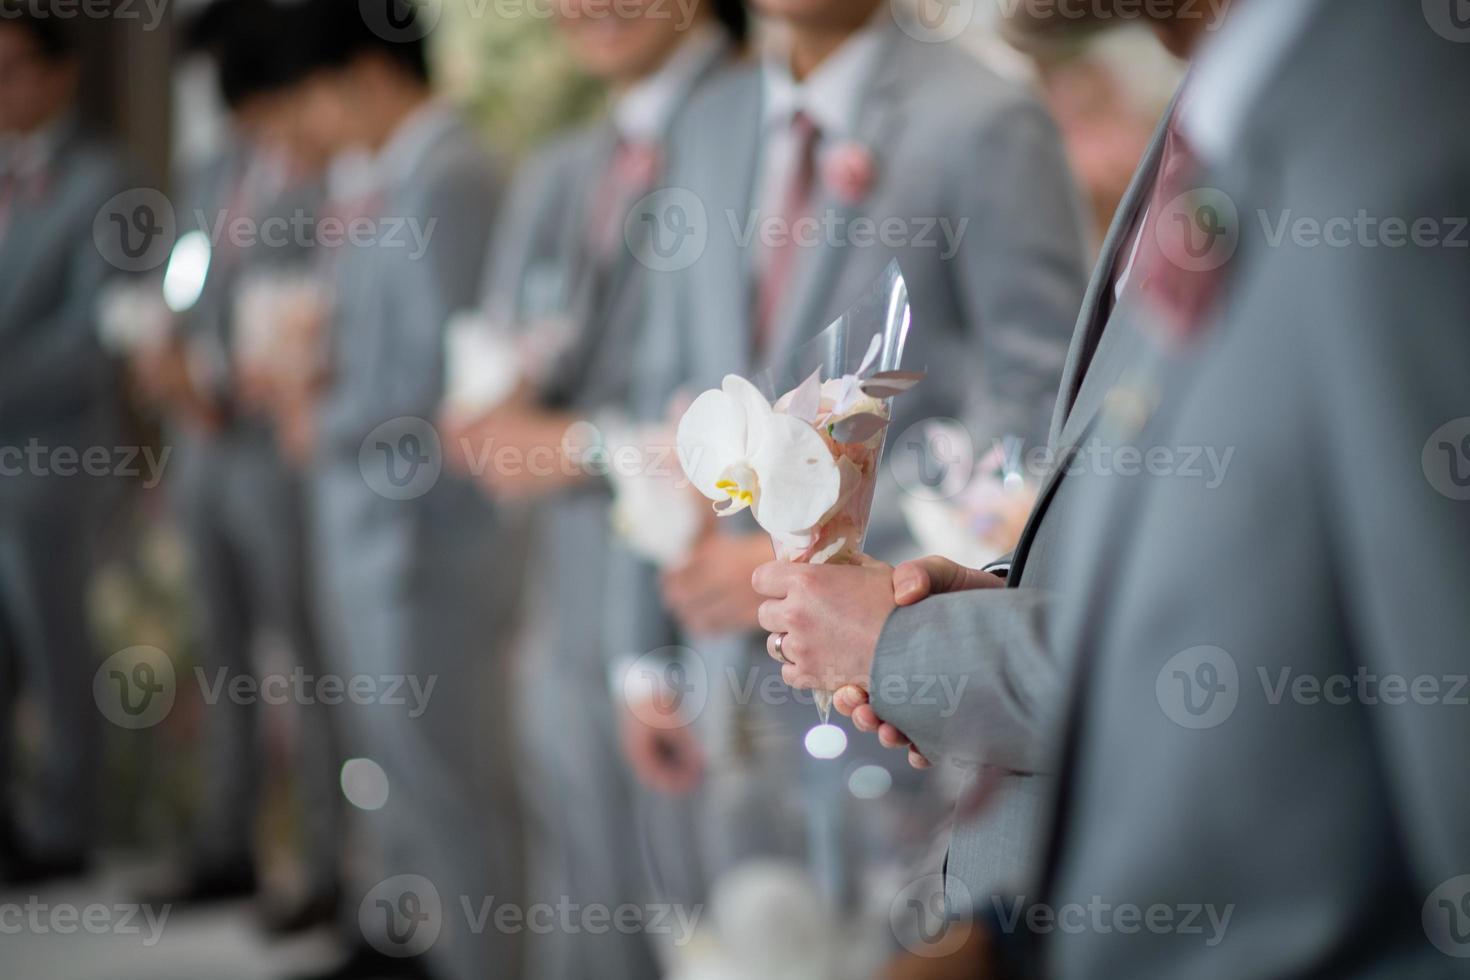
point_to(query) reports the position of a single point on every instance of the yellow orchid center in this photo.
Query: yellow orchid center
(740, 485)
(735, 493)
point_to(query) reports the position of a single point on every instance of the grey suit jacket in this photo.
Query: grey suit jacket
(971, 677)
(1270, 717)
(53, 371)
(956, 152)
(392, 303)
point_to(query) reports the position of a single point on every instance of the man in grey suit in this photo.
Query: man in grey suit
(869, 127)
(999, 691)
(56, 401)
(238, 502)
(561, 264)
(416, 572)
(1263, 758)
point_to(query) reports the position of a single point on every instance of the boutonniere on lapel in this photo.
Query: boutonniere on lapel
(848, 172)
(638, 165)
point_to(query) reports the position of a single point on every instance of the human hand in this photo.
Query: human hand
(932, 575)
(711, 592)
(853, 701)
(518, 450)
(664, 754)
(824, 620)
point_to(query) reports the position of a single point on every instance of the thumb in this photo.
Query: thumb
(933, 575)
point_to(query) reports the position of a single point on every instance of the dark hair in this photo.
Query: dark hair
(340, 31)
(49, 33)
(733, 17)
(257, 46)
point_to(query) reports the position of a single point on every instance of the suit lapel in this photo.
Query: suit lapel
(1069, 429)
(722, 304)
(1097, 306)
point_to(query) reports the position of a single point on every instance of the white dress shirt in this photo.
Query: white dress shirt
(830, 96)
(642, 113)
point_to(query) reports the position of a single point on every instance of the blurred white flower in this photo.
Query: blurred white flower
(653, 510)
(482, 365)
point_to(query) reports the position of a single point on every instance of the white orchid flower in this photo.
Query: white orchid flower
(741, 453)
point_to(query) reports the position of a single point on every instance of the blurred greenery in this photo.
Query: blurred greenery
(510, 71)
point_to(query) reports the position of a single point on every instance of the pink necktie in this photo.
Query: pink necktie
(1175, 271)
(631, 172)
(796, 203)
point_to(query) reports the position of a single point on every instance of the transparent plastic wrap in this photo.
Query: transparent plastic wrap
(799, 444)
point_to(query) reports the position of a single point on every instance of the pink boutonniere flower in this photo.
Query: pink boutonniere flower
(848, 172)
(639, 164)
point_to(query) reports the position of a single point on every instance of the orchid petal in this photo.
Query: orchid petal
(798, 477)
(804, 401)
(711, 437)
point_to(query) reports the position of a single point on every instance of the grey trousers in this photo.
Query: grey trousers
(585, 807)
(241, 512)
(48, 528)
(417, 593)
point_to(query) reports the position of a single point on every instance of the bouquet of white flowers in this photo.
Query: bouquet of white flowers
(805, 461)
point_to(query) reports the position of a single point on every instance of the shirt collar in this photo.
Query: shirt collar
(643, 112)
(1233, 68)
(831, 94)
(405, 149)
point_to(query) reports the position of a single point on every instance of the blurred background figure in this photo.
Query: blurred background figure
(238, 503)
(56, 399)
(858, 114)
(417, 574)
(563, 276)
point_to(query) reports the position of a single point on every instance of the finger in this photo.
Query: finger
(795, 677)
(774, 616)
(848, 699)
(890, 737)
(782, 655)
(918, 761)
(865, 719)
(932, 575)
(773, 579)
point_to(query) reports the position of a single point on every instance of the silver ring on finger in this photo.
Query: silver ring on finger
(779, 653)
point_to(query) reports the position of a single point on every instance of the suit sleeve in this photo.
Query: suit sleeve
(968, 676)
(1021, 270)
(1389, 354)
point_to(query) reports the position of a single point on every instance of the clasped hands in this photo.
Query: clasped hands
(824, 623)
